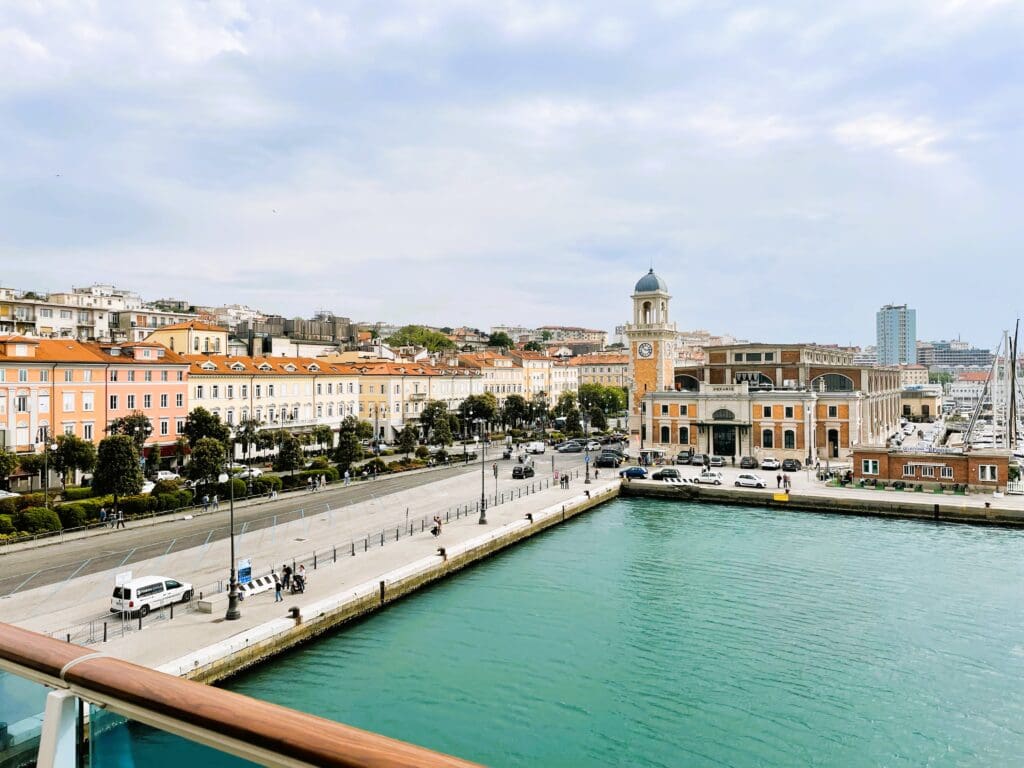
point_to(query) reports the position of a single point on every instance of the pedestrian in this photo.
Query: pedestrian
(778, 480)
(287, 570)
(301, 577)
(277, 589)
(347, 478)
(595, 473)
(309, 484)
(103, 516)
(216, 502)
(733, 460)
(206, 502)
(120, 519)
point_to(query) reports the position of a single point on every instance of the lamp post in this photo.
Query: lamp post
(483, 478)
(233, 612)
(44, 438)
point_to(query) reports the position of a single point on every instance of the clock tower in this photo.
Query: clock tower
(652, 352)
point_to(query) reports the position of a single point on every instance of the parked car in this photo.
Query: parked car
(748, 462)
(667, 473)
(248, 472)
(165, 474)
(697, 459)
(537, 446)
(716, 461)
(570, 448)
(608, 460)
(622, 454)
(710, 477)
(750, 481)
(593, 445)
(522, 471)
(636, 473)
(769, 462)
(791, 465)
(146, 593)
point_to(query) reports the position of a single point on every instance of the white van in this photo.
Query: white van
(536, 446)
(148, 593)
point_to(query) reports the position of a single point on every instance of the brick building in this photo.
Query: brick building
(979, 470)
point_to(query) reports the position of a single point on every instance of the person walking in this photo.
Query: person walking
(309, 484)
(778, 480)
(120, 519)
(277, 588)
(348, 478)
(287, 571)
(103, 516)
(206, 502)
(216, 502)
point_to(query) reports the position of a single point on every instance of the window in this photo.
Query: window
(179, 425)
(165, 427)
(231, 391)
(44, 375)
(766, 411)
(987, 473)
(87, 431)
(270, 390)
(65, 314)
(908, 470)
(664, 412)
(214, 391)
(666, 434)
(789, 439)
(927, 471)
(87, 376)
(181, 375)
(163, 401)
(113, 402)
(833, 411)
(767, 438)
(113, 375)
(44, 402)
(21, 404)
(947, 473)
(131, 402)
(789, 411)
(684, 410)
(87, 401)
(131, 375)
(46, 313)
(23, 374)
(69, 427)
(163, 375)
(69, 375)
(259, 390)
(753, 357)
(245, 390)
(147, 402)
(319, 388)
(69, 401)
(869, 466)
(684, 435)
(769, 357)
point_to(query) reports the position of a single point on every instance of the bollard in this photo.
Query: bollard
(396, 533)
(336, 552)
(421, 525)
(353, 547)
(104, 631)
(295, 613)
(314, 560)
(529, 516)
(69, 637)
(366, 544)
(382, 593)
(382, 538)
(936, 511)
(172, 610)
(140, 620)
(442, 552)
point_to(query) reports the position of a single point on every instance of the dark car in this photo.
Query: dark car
(748, 462)
(522, 471)
(668, 473)
(716, 461)
(608, 460)
(634, 472)
(790, 465)
(683, 457)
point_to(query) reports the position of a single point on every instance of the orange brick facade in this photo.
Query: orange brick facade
(983, 470)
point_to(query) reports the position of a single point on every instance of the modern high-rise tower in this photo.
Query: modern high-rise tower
(897, 335)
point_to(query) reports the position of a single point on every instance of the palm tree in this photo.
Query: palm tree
(246, 435)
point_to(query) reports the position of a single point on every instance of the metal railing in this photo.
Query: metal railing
(264, 733)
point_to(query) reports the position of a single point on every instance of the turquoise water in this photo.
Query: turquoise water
(657, 634)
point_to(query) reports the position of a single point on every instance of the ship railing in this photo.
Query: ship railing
(231, 723)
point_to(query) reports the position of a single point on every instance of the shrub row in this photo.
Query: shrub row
(300, 479)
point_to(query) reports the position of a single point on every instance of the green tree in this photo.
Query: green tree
(407, 439)
(289, 454)
(201, 423)
(364, 430)
(8, 461)
(417, 335)
(478, 407)
(432, 412)
(597, 419)
(348, 450)
(533, 346)
(323, 436)
(566, 403)
(441, 433)
(247, 436)
(72, 454)
(546, 335)
(515, 410)
(32, 463)
(501, 339)
(940, 378)
(572, 423)
(207, 460)
(117, 468)
(136, 425)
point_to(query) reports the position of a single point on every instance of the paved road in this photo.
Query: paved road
(28, 569)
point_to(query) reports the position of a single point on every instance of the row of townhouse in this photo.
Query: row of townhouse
(544, 376)
(609, 370)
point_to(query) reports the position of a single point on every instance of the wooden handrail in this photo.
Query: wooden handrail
(289, 734)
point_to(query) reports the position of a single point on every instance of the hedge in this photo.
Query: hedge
(27, 500)
(300, 479)
(72, 515)
(6, 524)
(265, 483)
(136, 505)
(9, 506)
(37, 520)
(71, 493)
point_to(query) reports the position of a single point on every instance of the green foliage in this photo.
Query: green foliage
(73, 493)
(37, 520)
(289, 456)
(301, 479)
(401, 465)
(533, 346)
(515, 410)
(1014, 472)
(320, 462)
(501, 339)
(207, 460)
(73, 515)
(8, 461)
(407, 439)
(364, 430)
(161, 487)
(433, 411)
(597, 418)
(940, 378)
(608, 399)
(223, 490)
(138, 504)
(323, 436)
(73, 453)
(374, 466)
(566, 404)
(572, 423)
(417, 335)
(247, 435)
(136, 425)
(173, 500)
(546, 335)
(348, 449)
(483, 406)
(442, 433)
(264, 483)
(422, 452)
(117, 467)
(27, 500)
(6, 524)
(8, 506)
(32, 463)
(203, 424)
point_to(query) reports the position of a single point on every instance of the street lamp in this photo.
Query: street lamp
(483, 479)
(233, 612)
(44, 438)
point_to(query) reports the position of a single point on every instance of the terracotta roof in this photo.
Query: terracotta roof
(222, 365)
(610, 359)
(973, 376)
(102, 350)
(58, 351)
(195, 325)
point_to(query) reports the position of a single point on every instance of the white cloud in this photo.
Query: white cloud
(917, 139)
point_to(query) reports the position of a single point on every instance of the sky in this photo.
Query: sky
(786, 167)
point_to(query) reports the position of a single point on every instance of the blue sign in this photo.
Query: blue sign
(244, 571)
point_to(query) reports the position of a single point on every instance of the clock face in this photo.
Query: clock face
(645, 349)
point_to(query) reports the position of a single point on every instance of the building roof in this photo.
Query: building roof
(650, 283)
(195, 325)
(53, 351)
(978, 376)
(601, 359)
(221, 365)
(102, 351)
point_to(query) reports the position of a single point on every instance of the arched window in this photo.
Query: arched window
(195, 343)
(789, 439)
(646, 313)
(767, 438)
(666, 435)
(832, 382)
(687, 383)
(172, 343)
(684, 435)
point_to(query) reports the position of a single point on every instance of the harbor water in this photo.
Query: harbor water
(651, 633)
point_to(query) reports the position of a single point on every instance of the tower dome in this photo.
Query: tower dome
(650, 283)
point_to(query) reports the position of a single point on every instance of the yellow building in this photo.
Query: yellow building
(192, 338)
(608, 370)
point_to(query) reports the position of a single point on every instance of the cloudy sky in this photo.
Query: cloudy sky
(787, 167)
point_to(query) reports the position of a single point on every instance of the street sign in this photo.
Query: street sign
(244, 571)
(122, 578)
